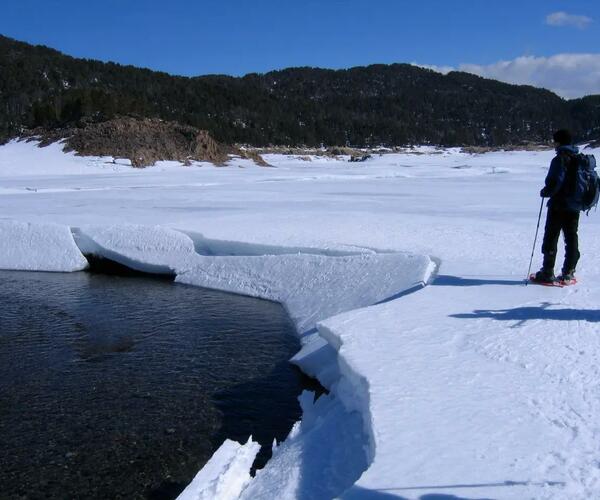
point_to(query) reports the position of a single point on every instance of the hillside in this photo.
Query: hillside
(380, 104)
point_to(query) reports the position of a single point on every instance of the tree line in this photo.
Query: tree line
(393, 104)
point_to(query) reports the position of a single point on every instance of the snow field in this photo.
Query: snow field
(473, 387)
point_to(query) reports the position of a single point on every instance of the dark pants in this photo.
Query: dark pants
(567, 222)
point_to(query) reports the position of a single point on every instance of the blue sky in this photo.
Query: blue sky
(237, 37)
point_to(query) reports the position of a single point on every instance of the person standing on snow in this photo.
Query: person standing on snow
(563, 210)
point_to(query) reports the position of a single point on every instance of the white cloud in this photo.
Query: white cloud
(563, 19)
(439, 69)
(568, 75)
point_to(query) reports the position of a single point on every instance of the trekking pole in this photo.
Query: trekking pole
(534, 241)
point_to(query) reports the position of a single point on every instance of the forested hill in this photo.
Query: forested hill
(381, 104)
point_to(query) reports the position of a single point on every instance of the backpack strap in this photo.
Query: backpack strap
(569, 159)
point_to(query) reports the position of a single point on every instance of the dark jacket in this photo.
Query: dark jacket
(560, 184)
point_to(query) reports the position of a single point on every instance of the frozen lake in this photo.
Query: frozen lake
(123, 387)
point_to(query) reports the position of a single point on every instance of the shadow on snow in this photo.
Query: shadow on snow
(447, 280)
(356, 492)
(522, 314)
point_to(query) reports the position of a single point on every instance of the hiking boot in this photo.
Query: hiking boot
(543, 276)
(567, 276)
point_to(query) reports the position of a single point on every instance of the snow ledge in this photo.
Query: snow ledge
(314, 285)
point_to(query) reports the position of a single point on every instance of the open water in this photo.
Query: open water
(123, 387)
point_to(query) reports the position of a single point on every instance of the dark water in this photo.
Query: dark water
(114, 387)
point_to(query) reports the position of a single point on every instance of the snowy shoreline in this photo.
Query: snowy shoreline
(324, 286)
(472, 382)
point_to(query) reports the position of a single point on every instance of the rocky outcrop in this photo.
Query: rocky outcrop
(144, 141)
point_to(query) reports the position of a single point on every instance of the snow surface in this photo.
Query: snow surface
(225, 474)
(474, 386)
(322, 456)
(151, 249)
(38, 247)
(312, 287)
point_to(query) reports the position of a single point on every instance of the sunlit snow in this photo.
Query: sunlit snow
(404, 277)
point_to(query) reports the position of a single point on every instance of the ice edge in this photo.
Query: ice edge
(156, 249)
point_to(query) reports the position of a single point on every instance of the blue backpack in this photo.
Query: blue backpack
(587, 190)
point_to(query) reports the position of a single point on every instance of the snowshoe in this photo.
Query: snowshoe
(567, 279)
(533, 278)
(543, 277)
(559, 282)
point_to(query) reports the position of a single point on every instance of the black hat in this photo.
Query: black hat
(563, 137)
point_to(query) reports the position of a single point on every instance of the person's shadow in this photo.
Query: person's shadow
(541, 312)
(359, 493)
(447, 280)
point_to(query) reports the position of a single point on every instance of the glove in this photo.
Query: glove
(543, 193)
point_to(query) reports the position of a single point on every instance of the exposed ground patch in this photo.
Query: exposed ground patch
(143, 141)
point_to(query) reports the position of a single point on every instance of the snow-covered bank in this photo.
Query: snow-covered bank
(312, 287)
(226, 473)
(478, 402)
(38, 247)
(476, 386)
(150, 249)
